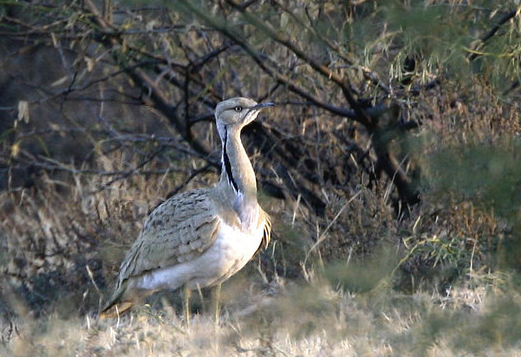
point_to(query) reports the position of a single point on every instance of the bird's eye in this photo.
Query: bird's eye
(238, 108)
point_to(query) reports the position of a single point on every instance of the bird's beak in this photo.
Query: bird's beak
(263, 105)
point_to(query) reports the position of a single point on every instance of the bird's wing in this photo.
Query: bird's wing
(177, 231)
(265, 221)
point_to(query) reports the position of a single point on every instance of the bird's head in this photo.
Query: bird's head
(237, 112)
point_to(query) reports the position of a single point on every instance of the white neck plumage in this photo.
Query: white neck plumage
(238, 176)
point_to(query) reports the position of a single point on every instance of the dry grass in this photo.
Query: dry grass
(367, 278)
(346, 308)
(357, 281)
(321, 307)
(354, 282)
(310, 320)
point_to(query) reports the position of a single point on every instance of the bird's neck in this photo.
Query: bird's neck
(238, 177)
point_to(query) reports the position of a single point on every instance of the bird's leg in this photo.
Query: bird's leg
(186, 305)
(216, 300)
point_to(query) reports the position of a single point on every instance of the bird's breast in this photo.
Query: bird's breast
(231, 251)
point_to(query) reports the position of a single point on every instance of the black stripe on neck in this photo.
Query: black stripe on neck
(227, 165)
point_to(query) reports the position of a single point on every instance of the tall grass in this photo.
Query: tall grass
(363, 275)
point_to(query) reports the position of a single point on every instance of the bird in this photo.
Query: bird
(199, 238)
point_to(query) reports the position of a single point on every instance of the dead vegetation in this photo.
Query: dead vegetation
(390, 168)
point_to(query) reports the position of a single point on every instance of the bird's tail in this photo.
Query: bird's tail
(117, 305)
(115, 310)
(123, 299)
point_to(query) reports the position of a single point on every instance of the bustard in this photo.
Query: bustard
(201, 237)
